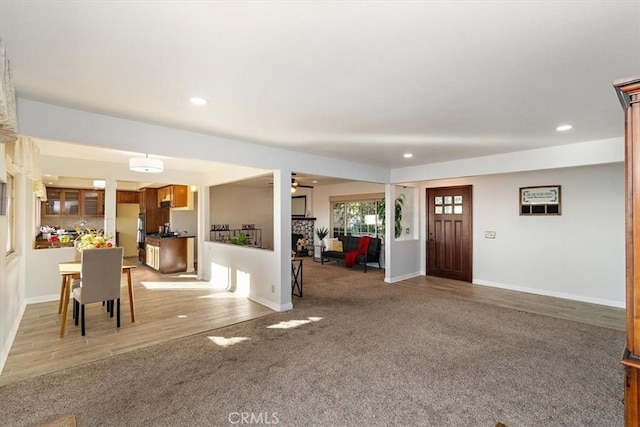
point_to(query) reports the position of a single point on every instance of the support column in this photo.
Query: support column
(389, 212)
(282, 235)
(110, 209)
(204, 213)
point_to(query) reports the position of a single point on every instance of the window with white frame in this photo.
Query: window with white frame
(357, 215)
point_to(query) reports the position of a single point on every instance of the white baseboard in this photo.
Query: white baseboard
(43, 298)
(573, 297)
(6, 348)
(403, 277)
(272, 305)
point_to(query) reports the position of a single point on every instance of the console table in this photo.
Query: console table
(296, 276)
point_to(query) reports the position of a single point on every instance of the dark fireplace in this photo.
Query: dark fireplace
(294, 240)
(302, 227)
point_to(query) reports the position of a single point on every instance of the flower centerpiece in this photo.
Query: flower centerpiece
(301, 243)
(92, 239)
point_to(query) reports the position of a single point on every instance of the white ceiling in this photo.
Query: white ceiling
(365, 81)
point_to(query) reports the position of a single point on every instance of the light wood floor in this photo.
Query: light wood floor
(172, 310)
(168, 307)
(593, 314)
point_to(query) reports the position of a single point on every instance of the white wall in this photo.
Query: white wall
(43, 283)
(563, 156)
(12, 284)
(308, 192)
(410, 211)
(578, 255)
(185, 220)
(237, 204)
(265, 275)
(248, 271)
(404, 260)
(49, 121)
(12, 301)
(403, 253)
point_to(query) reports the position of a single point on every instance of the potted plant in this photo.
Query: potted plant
(321, 233)
(239, 239)
(398, 204)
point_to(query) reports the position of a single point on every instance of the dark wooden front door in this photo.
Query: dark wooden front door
(449, 239)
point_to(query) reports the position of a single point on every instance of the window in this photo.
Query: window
(361, 216)
(11, 214)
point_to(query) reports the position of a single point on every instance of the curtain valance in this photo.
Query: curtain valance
(23, 157)
(8, 118)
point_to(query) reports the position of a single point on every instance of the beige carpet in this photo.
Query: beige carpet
(353, 352)
(65, 421)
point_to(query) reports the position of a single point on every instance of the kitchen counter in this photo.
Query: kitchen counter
(169, 253)
(45, 244)
(169, 236)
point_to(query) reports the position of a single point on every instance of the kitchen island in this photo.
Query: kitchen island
(169, 253)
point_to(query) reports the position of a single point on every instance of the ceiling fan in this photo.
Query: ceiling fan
(295, 184)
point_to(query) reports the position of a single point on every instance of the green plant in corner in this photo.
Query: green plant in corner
(321, 233)
(399, 203)
(239, 239)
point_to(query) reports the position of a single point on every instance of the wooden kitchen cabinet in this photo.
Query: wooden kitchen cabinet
(164, 195)
(167, 255)
(154, 216)
(61, 202)
(92, 202)
(52, 205)
(127, 197)
(70, 202)
(176, 195)
(73, 202)
(152, 250)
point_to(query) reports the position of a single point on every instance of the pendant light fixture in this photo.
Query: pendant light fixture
(145, 164)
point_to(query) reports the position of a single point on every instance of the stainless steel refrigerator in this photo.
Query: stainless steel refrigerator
(140, 238)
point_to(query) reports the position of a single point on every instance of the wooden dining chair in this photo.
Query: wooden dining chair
(100, 275)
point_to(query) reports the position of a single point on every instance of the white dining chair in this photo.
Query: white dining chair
(100, 275)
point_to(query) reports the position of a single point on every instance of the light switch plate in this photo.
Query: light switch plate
(489, 234)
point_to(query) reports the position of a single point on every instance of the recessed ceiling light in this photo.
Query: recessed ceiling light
(562, 128)
(315, 181)
(198, 101)
(407, 155)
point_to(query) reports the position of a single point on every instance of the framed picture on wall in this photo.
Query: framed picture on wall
(299, 206)
(544, 200)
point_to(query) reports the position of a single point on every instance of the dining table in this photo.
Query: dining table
(70, 270)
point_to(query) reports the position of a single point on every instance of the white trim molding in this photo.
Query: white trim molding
(573, 297)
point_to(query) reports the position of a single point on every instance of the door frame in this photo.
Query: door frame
(468, 228)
